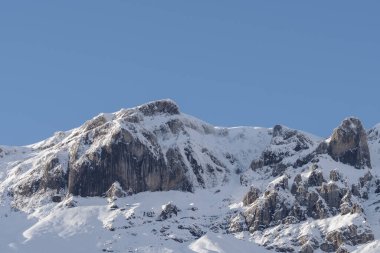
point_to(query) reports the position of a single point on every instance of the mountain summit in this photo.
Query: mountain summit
(153, 179)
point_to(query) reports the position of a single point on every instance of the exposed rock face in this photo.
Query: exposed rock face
(237, 224)
(129, 162)
(251, 196)
(349, 145)
(152, 147)
(350, 235)
(53, 178)
(316, 177)
(168, 211)
(314, 196)
(332, 194)
(310, 196)
(266, 211)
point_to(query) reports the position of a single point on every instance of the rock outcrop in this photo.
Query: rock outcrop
(350, 235)
(267, 211)
(168, 211)
(116, 191)
(348, 144)
(285, 150)
(160, 106)
(251, 196)
(310, 196)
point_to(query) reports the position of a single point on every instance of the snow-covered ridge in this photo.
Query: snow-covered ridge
(215, 188)
(158, 126)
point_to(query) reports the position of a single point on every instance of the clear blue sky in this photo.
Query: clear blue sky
(305, 64)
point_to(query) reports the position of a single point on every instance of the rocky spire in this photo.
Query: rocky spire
(348, 144)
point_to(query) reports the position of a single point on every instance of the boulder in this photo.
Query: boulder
(168, 211)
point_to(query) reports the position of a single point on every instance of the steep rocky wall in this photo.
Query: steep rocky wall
(132, 164)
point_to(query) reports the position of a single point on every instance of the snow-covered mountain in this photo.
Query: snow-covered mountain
(152, 179)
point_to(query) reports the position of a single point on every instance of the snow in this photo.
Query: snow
(85, 228)
(372, 247)
(130, 224)
(223, 244)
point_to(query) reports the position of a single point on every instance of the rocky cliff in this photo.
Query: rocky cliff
(285, 189)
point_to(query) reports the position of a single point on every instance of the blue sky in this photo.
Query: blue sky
(305, 64)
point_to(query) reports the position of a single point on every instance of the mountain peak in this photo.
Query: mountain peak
(143, 158)
(351, 124)
(167, 106)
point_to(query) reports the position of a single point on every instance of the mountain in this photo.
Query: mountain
(153, 179)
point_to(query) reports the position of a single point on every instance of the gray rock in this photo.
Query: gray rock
(297, 181)
(349, 145)
(196, 231)
(175, 126)
(237, 224)
(282, 183)
(53, 178)
(306, 248)
(315, 178)
(266, 212)
(346, 204)
(313, 203)
(285, 142)
(297, 212)
(350, 235)
(355, 190)
(56, 198)
(168, 211)
(335, 175)
(327, 247)
(365, 179)
(342, 250)
(129, 162)
(115, 191)
(377, 182)
(332, 194)
(160, 106)
(251, 196)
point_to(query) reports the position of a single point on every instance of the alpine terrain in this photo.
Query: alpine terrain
(153, 179)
